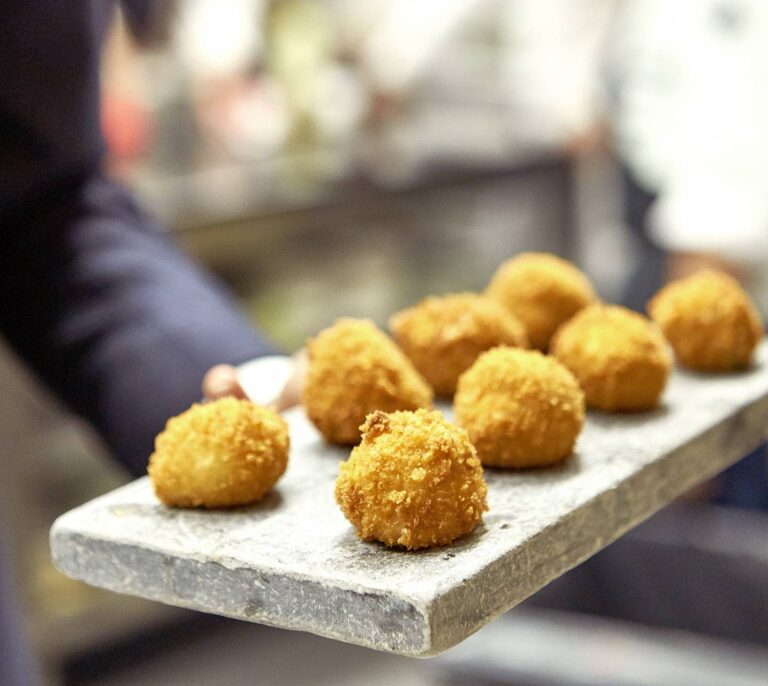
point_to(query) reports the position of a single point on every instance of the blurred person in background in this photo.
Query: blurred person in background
(682, 89)
(689, 103)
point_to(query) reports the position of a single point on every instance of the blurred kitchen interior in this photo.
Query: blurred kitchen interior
(348, 157)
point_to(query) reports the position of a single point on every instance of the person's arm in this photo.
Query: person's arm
(111, 315)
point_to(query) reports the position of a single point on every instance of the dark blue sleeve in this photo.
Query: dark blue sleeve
(112, 315)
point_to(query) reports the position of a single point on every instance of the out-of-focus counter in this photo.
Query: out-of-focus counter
(306, 238)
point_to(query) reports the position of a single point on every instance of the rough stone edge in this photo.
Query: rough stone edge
(493, 589)
(381, 621)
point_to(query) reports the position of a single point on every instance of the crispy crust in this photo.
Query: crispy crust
(619, 357)
(710, 321)
(354, 369)
(415, 481)
(542, 291)
(444, 336)
(224, 453)
(521, 408)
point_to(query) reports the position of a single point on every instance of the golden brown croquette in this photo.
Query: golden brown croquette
(415, 481)
(354, 369)
(443, 336)
(710, 321)
(225, 453)
(520, 408)
(542, 291)
(619, 357)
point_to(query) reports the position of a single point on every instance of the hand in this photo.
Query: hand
(221, 381)
(273, 381)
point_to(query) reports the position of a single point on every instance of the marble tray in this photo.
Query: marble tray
(293, 561)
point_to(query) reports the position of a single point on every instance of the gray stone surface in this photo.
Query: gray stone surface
(293, 561)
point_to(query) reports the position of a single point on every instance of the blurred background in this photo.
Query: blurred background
(348, 157)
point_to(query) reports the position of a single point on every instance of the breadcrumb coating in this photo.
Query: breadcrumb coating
(415, 481)
(542, 291)
(619, 357)
(354, 369)
(443, 336)
(520, 408)
(710, 321)
(225, 453)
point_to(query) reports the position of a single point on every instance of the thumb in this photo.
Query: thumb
(220, 382)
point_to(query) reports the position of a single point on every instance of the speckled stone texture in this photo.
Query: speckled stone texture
(293, 561)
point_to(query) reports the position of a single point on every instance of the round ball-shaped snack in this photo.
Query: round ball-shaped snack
(225, 453)
(354, 369)
(443, 336)
(520, 408)
(542, 291)
(414, 481)
(710, 321)
(619, 357)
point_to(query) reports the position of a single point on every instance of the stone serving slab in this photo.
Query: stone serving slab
(293, 561)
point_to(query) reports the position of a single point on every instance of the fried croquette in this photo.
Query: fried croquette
(443, 336)
(225, 453)
(520, 408)
(415, 481)
(542, 291)
(354, 369)
(710, 321)
(619, 357)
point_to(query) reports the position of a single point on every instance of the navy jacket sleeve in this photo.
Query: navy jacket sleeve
(93, 296)
(112, 316)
